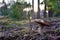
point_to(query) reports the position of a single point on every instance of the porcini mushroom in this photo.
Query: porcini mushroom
(42, 23)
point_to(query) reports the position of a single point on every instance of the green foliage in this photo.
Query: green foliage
(54, 4)
(4, 10)
(17, 10)
(56, 7)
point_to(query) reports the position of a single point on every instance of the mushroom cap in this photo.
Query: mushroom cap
(42, 22)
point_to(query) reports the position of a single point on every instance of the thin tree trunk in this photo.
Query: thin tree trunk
(45, 14)
(51, 12)
(3, 1)
(38, 13)
(33, 5)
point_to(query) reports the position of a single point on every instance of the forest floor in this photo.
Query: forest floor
(20, 30)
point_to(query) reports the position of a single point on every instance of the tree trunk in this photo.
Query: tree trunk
(45, 14)
(38, 13)
(51, 11)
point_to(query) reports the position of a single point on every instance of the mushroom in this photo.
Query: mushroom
(42, 24)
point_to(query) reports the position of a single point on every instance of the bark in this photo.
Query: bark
(50, 13)
(38, 13)
(45, 14)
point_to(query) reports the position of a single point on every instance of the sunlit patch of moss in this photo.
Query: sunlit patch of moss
(19, 22)
(9, 23)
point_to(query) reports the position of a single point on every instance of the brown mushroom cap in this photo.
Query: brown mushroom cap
(42, 23)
